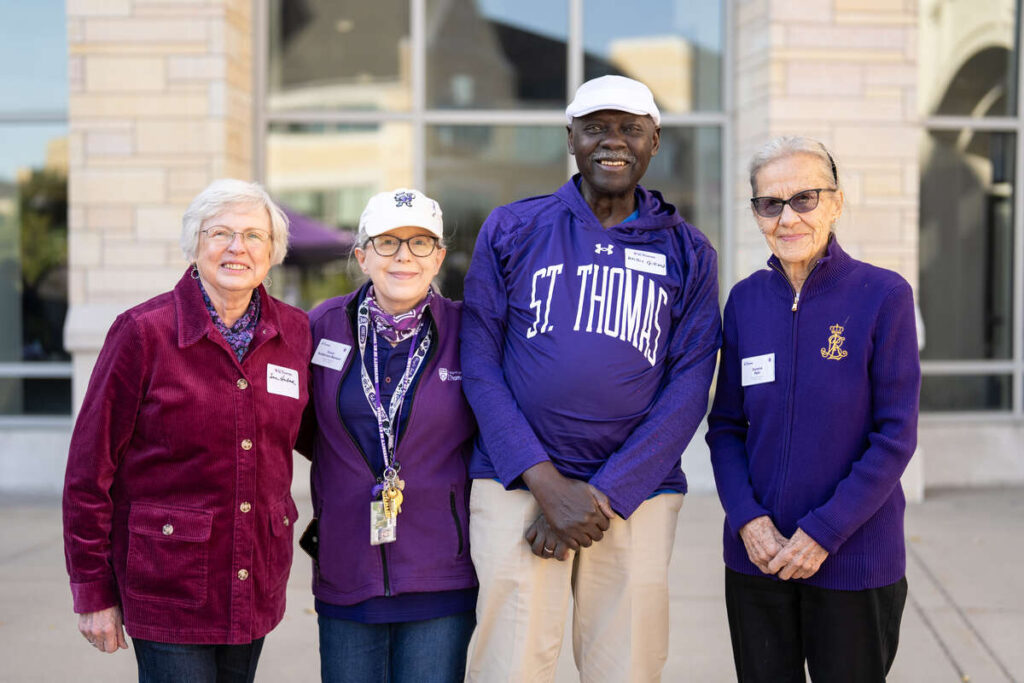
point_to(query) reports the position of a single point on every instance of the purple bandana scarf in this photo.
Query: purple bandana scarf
(397, 328)
(239, 335)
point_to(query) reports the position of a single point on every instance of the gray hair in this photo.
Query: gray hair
(788, 145)
(224, 194)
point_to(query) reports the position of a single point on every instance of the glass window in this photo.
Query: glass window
(674, 46)
(966, 392)
(33, 210)
(688, 172)
(33, 33)
(489, 54)
(328, 172)
(473, 169)
(966, 244)
(971, 55)
(349, 55)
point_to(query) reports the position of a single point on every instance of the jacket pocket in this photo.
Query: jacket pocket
(168, 550)
(283, 515)
(460, 535)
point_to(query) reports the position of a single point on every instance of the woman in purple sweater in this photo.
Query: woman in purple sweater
(814, 421)
(390, 433)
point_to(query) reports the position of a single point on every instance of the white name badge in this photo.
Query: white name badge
(646, 261)
(331, 354)
(758, 369)
(282, 381)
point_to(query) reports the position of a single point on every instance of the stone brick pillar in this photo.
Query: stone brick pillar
(844, 72)
(160, 105)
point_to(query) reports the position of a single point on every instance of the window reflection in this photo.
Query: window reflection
(488, 54)
(674, 46)
(966, 244)
(969, 69)
(966, 392)
(339, 55)
(33, 263)
(473, 169)
(688, 172)
(327, 173)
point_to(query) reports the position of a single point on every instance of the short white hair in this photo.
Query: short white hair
(788, 145)
(224, 194)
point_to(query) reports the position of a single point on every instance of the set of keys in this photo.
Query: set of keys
(392, 496)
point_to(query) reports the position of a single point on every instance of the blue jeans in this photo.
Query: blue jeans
(176, 663)
(430, 651)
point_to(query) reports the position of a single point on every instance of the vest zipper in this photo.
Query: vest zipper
(455, 518)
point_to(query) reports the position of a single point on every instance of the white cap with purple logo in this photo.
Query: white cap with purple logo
(399, 208)
(613, 92)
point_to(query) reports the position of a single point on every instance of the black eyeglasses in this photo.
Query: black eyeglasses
(419, 245)
(801, 202)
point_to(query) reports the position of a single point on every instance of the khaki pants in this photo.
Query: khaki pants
(619, 586)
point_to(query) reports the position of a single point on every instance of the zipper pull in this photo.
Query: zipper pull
(796, 301)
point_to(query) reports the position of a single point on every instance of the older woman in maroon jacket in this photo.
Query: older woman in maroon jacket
(177, 514)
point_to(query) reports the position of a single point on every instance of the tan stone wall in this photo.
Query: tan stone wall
(160, 105)
(844, 72)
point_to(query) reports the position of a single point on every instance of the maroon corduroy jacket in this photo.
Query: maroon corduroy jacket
(176, 500)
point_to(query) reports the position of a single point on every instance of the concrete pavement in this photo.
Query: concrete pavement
(964, 618)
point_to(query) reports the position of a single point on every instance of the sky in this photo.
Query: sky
(33, 77)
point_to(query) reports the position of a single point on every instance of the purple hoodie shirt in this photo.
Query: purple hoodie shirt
(590, 347)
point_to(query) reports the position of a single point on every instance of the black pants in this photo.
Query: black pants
(845, 636)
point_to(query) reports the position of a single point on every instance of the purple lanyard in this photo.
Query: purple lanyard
(387, 421)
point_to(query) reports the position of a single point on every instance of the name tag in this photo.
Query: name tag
(331, 354)
(758, 369)
(645, 261)
(282, 381)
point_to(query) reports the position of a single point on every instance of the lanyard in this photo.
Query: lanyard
(387, 420)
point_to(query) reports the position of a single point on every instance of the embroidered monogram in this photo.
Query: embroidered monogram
(835, 350)
(404, 199)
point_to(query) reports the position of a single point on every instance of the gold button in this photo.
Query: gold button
(246, 444)
(168, 529)
(245, 507)
(243, 574)
(242, 384)
(286, 522)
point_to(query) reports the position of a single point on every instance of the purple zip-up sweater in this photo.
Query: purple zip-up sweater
(589, 347)
(821, 447)
(432, 550)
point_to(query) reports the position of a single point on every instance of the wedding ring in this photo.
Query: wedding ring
(549, 550)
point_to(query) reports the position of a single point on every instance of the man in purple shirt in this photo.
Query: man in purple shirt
(589, 338)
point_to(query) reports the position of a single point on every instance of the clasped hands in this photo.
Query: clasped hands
(798, 557)
(574, 514)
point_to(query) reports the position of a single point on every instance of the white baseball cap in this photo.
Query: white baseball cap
(399, 208)
(613, 92)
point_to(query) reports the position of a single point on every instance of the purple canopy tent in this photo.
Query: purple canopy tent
(312, 243)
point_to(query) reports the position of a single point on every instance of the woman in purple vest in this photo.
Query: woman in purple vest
(814, 420)
(389, 434)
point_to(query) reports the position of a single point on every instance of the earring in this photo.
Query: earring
(194, 272)
(267, 281)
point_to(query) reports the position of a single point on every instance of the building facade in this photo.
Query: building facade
(329, 101)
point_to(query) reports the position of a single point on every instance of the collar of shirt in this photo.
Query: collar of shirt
(239, 335)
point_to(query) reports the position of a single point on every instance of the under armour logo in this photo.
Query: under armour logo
(403, 198)
(603, 249)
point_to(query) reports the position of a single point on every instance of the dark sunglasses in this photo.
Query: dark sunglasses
(801, 202)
